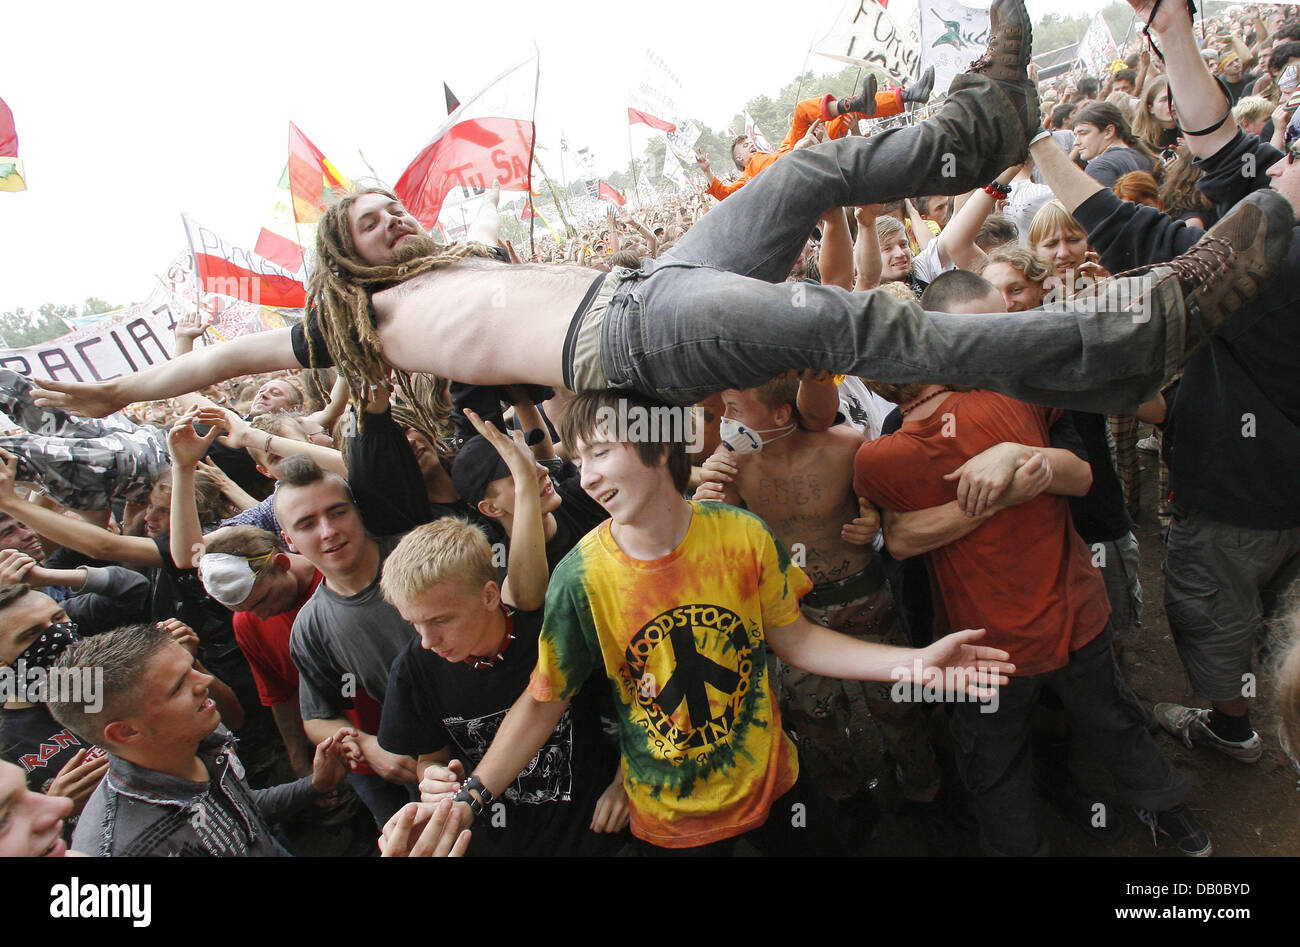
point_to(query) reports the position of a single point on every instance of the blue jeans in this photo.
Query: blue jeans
(711, 314)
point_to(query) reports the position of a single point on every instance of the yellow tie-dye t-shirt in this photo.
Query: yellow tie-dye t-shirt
(682, 641)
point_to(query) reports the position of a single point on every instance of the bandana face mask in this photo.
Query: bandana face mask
(744, 440)
(54, 640)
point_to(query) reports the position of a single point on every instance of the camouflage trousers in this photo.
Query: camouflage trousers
(829, 717)
(83, 463)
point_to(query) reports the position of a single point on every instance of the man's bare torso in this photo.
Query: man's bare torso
(482, 322)
(806, 496)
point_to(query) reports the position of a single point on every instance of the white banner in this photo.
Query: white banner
(673, 170)
(132, 339)
(952, 36)
(1097, 49)
(658, 91)
(682, 141)
(119, 343)
(756, 136)
(865, 35)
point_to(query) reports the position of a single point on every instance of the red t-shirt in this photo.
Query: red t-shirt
(1024, 574)
(265, 644)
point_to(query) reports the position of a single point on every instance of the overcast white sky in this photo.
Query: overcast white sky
(130, 113)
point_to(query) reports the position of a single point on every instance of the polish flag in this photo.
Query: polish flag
(489, 136)
(607, 193)
(231, 271)
(636, 116)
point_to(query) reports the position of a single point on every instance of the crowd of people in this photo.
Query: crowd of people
(688, 530)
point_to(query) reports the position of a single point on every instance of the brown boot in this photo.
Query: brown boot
(1006, 61)
(1223, 271)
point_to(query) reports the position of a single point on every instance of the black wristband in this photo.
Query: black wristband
(1219, 124)
(476, 805)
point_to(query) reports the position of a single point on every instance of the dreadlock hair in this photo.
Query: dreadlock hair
(425, 406)
(339, 291)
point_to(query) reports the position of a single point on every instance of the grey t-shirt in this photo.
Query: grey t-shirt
(341, 643)
(1109, 166)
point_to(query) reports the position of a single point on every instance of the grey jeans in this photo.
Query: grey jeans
(710, 314)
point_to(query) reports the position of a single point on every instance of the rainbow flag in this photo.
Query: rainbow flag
(311, 176)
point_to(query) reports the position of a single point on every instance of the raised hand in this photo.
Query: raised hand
(185, 444)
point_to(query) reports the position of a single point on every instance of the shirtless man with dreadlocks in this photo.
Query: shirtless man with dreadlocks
(712, 313)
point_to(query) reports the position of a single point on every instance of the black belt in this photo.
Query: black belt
(849, 589)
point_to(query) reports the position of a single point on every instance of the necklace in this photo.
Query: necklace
(916, 404)
(479, 663)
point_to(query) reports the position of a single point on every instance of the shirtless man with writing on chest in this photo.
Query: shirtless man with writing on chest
(801, 483)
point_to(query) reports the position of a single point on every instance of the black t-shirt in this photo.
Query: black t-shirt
(35, 742)
(240, 467)
(577, 516)
(432, 703)
(1232, 438)
(1237, 89)
(1100, 514)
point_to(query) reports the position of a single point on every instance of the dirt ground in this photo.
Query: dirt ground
(1248, 809)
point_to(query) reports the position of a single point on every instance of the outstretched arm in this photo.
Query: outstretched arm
(247, 355)
(831, 654)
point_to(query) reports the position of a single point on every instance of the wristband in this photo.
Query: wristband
(476, 805)
(1217, 125)
(999, 192)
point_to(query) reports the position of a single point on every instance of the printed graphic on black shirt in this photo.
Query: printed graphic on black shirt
(548, 778)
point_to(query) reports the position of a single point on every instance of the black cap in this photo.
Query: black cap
(477, 465)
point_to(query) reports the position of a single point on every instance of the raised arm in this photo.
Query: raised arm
(249, 354)
(186, 447)
(836, 261)
(957, 241)
(526, 570)
(487, 225)
(1199, 99)
(866, 249)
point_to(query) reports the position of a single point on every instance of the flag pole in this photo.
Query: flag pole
(545, 177)
(632, 157)
(532, 151)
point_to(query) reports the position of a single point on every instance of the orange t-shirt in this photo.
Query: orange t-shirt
(1024, 574)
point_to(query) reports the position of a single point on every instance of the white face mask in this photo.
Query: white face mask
(743, 440)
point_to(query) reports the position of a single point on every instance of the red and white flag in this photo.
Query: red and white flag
(638, 117)
(232, 271)
(607, 193)
(490, 136)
